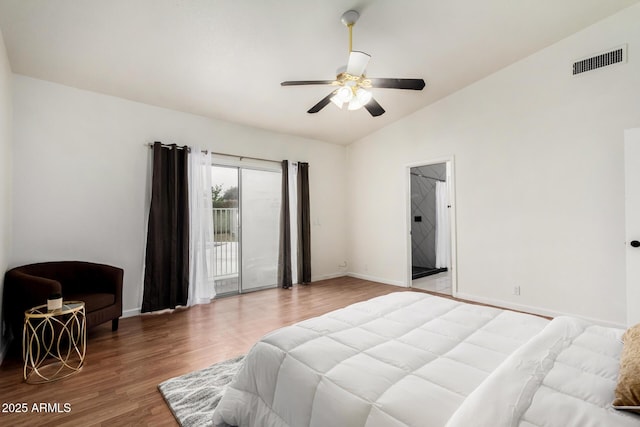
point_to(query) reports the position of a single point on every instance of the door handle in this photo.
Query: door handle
(635, 243)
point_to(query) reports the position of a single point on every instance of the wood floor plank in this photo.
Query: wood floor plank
(118, 384)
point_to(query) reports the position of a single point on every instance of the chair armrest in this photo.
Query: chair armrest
(114, 277)
(23, 291)
(106, 278)
(22, 286)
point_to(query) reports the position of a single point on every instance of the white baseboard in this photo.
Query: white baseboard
(131, 313)
(377, 279)
(138, 311)
(535, 310)
(470, 297)
(328, 276)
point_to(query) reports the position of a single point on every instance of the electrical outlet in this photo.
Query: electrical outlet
(516, 290)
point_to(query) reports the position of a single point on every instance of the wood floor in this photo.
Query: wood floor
(118, 384)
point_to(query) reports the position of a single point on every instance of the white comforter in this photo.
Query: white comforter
(563, 377)
(404, 359)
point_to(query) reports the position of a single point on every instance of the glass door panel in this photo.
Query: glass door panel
(260, 212)
(226, 242)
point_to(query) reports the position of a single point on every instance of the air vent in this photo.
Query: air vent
(614, 56)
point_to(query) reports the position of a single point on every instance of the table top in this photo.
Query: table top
(68, 307)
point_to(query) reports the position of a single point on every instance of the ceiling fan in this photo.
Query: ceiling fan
(352, 84)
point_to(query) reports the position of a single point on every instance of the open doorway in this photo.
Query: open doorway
(430, 227)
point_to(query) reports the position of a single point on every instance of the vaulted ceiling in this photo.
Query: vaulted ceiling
(225, 59)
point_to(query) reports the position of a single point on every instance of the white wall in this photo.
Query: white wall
(81, 171)
(5, 172)
(539, 179)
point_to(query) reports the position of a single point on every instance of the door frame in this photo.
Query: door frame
(449, 161)
(239, 165)
(632, 228)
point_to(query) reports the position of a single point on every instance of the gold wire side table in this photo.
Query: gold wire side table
(53, 342)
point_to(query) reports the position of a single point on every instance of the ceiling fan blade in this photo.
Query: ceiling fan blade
(323, 103)
(412, 84)
(374, 108)
(357, 63)
(306, 82)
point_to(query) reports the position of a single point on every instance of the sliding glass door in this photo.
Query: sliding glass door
(246, 207)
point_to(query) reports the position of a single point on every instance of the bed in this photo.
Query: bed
(414, 359)
(569, 370)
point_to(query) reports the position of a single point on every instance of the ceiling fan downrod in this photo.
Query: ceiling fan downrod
(349, 18)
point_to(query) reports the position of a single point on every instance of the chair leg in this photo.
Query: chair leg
(114, 325)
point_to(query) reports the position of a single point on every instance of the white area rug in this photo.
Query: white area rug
(194, 396)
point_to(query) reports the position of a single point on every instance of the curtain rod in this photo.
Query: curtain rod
(245, 157)
(223, 154)
(428, 177)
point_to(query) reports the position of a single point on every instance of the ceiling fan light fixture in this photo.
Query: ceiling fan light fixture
(344, 94)
(355, 104)
(363, 96)
(353, 98)
(336, 101)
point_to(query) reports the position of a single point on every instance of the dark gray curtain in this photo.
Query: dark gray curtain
(166, 276)
(304, 225)
(284, 255)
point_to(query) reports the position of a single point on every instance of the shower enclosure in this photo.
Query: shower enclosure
(430, 247)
